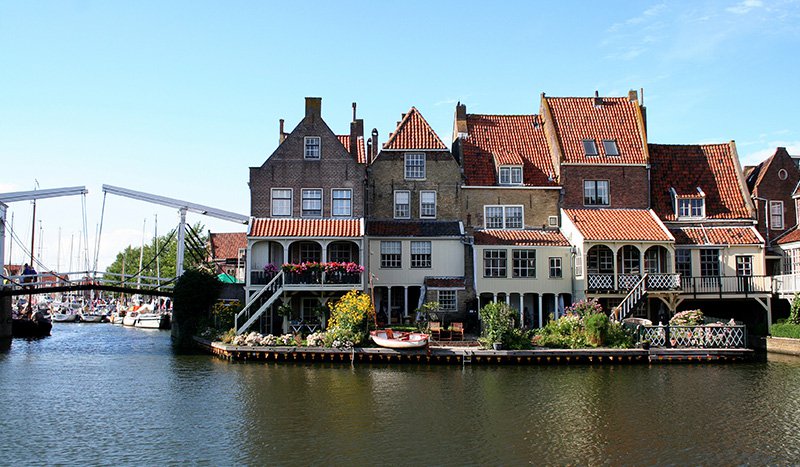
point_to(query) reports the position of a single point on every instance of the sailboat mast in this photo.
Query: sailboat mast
(10, 242)
(158, 262)
(141, 254)
(71, 244)
(58, 252)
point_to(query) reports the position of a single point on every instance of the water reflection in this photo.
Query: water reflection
(95, 394)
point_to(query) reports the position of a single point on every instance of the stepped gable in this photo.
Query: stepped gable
(273, 227)
(619, 225)
(716, 236)
(413, 132)
(520, 237)
(414, 228)
(685, 168)
(494, 140)
(579, 118)
(227, 244)
(362, 152)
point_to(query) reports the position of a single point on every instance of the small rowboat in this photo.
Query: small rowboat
(399, 340)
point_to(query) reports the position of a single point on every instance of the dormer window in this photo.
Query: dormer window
(590, 147)
(312, 145)
(510, 175)
(610, 147)
(691, 208)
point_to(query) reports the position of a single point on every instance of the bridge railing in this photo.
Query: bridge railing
(61, 279)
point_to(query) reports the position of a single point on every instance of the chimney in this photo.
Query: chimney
(460, 124)
(374, 152)
(598, 101)
(356, 131)
(354, 111)
(314, 107)
(281, 134)
(633, 96)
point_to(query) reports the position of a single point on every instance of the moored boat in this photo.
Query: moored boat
(399, 340)
(130, 318)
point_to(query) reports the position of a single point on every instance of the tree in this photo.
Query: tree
(167, 251)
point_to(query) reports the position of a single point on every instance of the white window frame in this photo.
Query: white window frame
(421, 254)
(680, 265)
(349, 202)
(272, 202)
(391, 259)
(523, 263)
(505, 216)
(776, 214)
(610, 143)
(510, 175)
(414, 171)
(691, 208)
(408, 205)
(445, 302)
(303, 202)
(555, 264)
(597, 184)
(495, 262)
(744, 265)
(312, 151)
(586, 149)
(424, 212)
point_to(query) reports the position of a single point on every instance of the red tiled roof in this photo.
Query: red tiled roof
(520, 237)
(619, 225)
(716, 236)
(506, 139)
(710, 167)
(577, 118)
(449, 282)
(413, 132)
(271, 227)
(362, 152)
(790, 237)
(226, 245)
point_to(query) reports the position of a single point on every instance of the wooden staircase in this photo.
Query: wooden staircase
(629, 303)
(260, 302)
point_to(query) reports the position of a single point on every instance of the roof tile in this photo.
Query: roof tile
(273, 227)
(520, 237)
(227, 244)
(413, 132)
(710, 167)
(506, 139)
(790, 237)
(578, 118)
(716, 236)
(619, 225)
(362, 152)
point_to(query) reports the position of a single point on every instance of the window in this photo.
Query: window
(312, 202)
(600, 260)
(402, 204)
(709, 262)
(391, 254)
(494, 263)
(281, 202)
(523, 263)
(595, 192)
(312, 147)
(340, 252)
(310, 252)
(691, 207)
(776, 215)
(555, 267)
(630, 259)
(342, 202)
(240, 263)
(578, 263)
(447, 300)
(791, 263)
(783, 174)
(683, 262)
(590, 147)
(420, 254)
(415, 166)
(610, 147)
(744, 266)
(552, 221)
(503, 217)
(427, 204)
(510, 175)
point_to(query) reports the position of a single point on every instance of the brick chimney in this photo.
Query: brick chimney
(460, 123)
(598, 101)
(374, 151)
(314, 107)
(281, 133)
(633, 96)
(356, 131)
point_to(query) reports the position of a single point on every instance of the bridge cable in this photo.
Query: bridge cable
(100, 233)
(158, 253)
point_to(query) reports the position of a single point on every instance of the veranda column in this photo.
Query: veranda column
(389, 305)
(405, 301)
(540, 309)
(494, 297)
(521, 315)
(616, 268)
(555, 305)
(508, 299)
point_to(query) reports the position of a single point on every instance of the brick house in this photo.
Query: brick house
(414, 230)
(228, 252)
(510, 209)
(307, 203)
(771, 184)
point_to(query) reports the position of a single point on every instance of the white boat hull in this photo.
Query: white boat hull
(130, 319)
(400, 340)
(149, 321)
(65, 317)
(92, 318)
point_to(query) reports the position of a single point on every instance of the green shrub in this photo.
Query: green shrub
(194, 294)
(785, 329)
(687, 318)
(498, 324)
(619, 337)
(596, 325)
(794, 313)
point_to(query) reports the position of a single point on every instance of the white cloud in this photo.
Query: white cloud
(765, 150)
(7, 187)
(745, 7)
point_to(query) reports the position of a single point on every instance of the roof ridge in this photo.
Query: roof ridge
(402, 126)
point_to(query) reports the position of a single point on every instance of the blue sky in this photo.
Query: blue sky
(181, 98)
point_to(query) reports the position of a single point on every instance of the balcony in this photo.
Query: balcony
(695, 286)
(727, 285)
(786, 285)
(312, 280)
(599, 283)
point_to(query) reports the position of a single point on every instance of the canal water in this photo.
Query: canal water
(102, 394)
